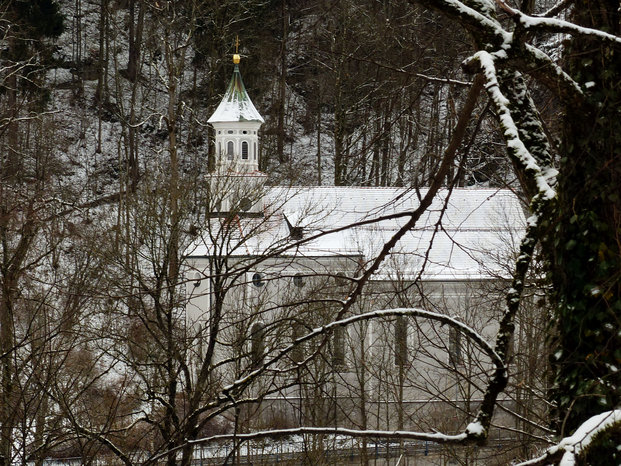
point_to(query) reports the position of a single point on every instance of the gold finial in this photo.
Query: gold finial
(236, 57)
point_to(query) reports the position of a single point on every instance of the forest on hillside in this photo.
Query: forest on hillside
(353, 93)
(105, 149)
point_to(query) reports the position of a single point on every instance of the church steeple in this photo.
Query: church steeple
(236, 122)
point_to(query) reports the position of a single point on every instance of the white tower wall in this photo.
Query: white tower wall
(237, 144)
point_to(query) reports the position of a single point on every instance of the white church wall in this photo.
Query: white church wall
(271, 294)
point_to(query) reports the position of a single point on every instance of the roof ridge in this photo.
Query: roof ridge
(386, 188)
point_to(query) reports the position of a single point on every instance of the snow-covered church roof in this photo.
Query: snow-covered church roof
(465, 234)
(471, 235)
(236, 105)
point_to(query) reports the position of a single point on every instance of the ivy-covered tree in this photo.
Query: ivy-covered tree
(585, 246)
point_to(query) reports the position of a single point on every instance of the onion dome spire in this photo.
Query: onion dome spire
(236, 104)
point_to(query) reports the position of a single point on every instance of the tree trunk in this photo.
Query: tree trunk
(13, 162)
(6, 389)
(339, 136)
(282, 85)
(135, 39)
(11, 266)
(586, 246)
(318, 134)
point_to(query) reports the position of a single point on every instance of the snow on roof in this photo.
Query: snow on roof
(236, 105)
(471, 239)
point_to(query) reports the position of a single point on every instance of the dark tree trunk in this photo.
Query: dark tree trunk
(282, 85)
(135, 39)
(586, 263)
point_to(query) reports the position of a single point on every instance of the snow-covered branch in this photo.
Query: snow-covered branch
(473, 431)
(324, 329)
(548, 24)
(517, 149)
(556, 9)
(375, 434)
(507, 326)
(479, 19)
(540, 65)
(561, 26)
(540, 176)
(570, 447)
(413, 312)
(490, 36)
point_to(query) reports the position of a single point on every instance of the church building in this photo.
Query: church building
(279, 261)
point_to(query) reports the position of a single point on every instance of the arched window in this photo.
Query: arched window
(257, 350)
(401, 341)
(255, 150)
(338, 349)
(297, 355)
(455, 357)
(230, 149)
(219, 148)
(244, 150)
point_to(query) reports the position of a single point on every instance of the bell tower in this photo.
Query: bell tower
(237, 185)
(236, 122)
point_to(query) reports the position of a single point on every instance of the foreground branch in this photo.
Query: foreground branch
(279, 433)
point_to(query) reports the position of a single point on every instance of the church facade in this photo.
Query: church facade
(278, 262)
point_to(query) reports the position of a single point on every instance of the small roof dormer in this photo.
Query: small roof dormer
(237, 122)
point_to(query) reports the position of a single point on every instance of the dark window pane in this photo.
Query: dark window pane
(401, 341)
(257, 280)
(257, 336)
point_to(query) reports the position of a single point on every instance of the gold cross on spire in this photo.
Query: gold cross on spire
(236, 57)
